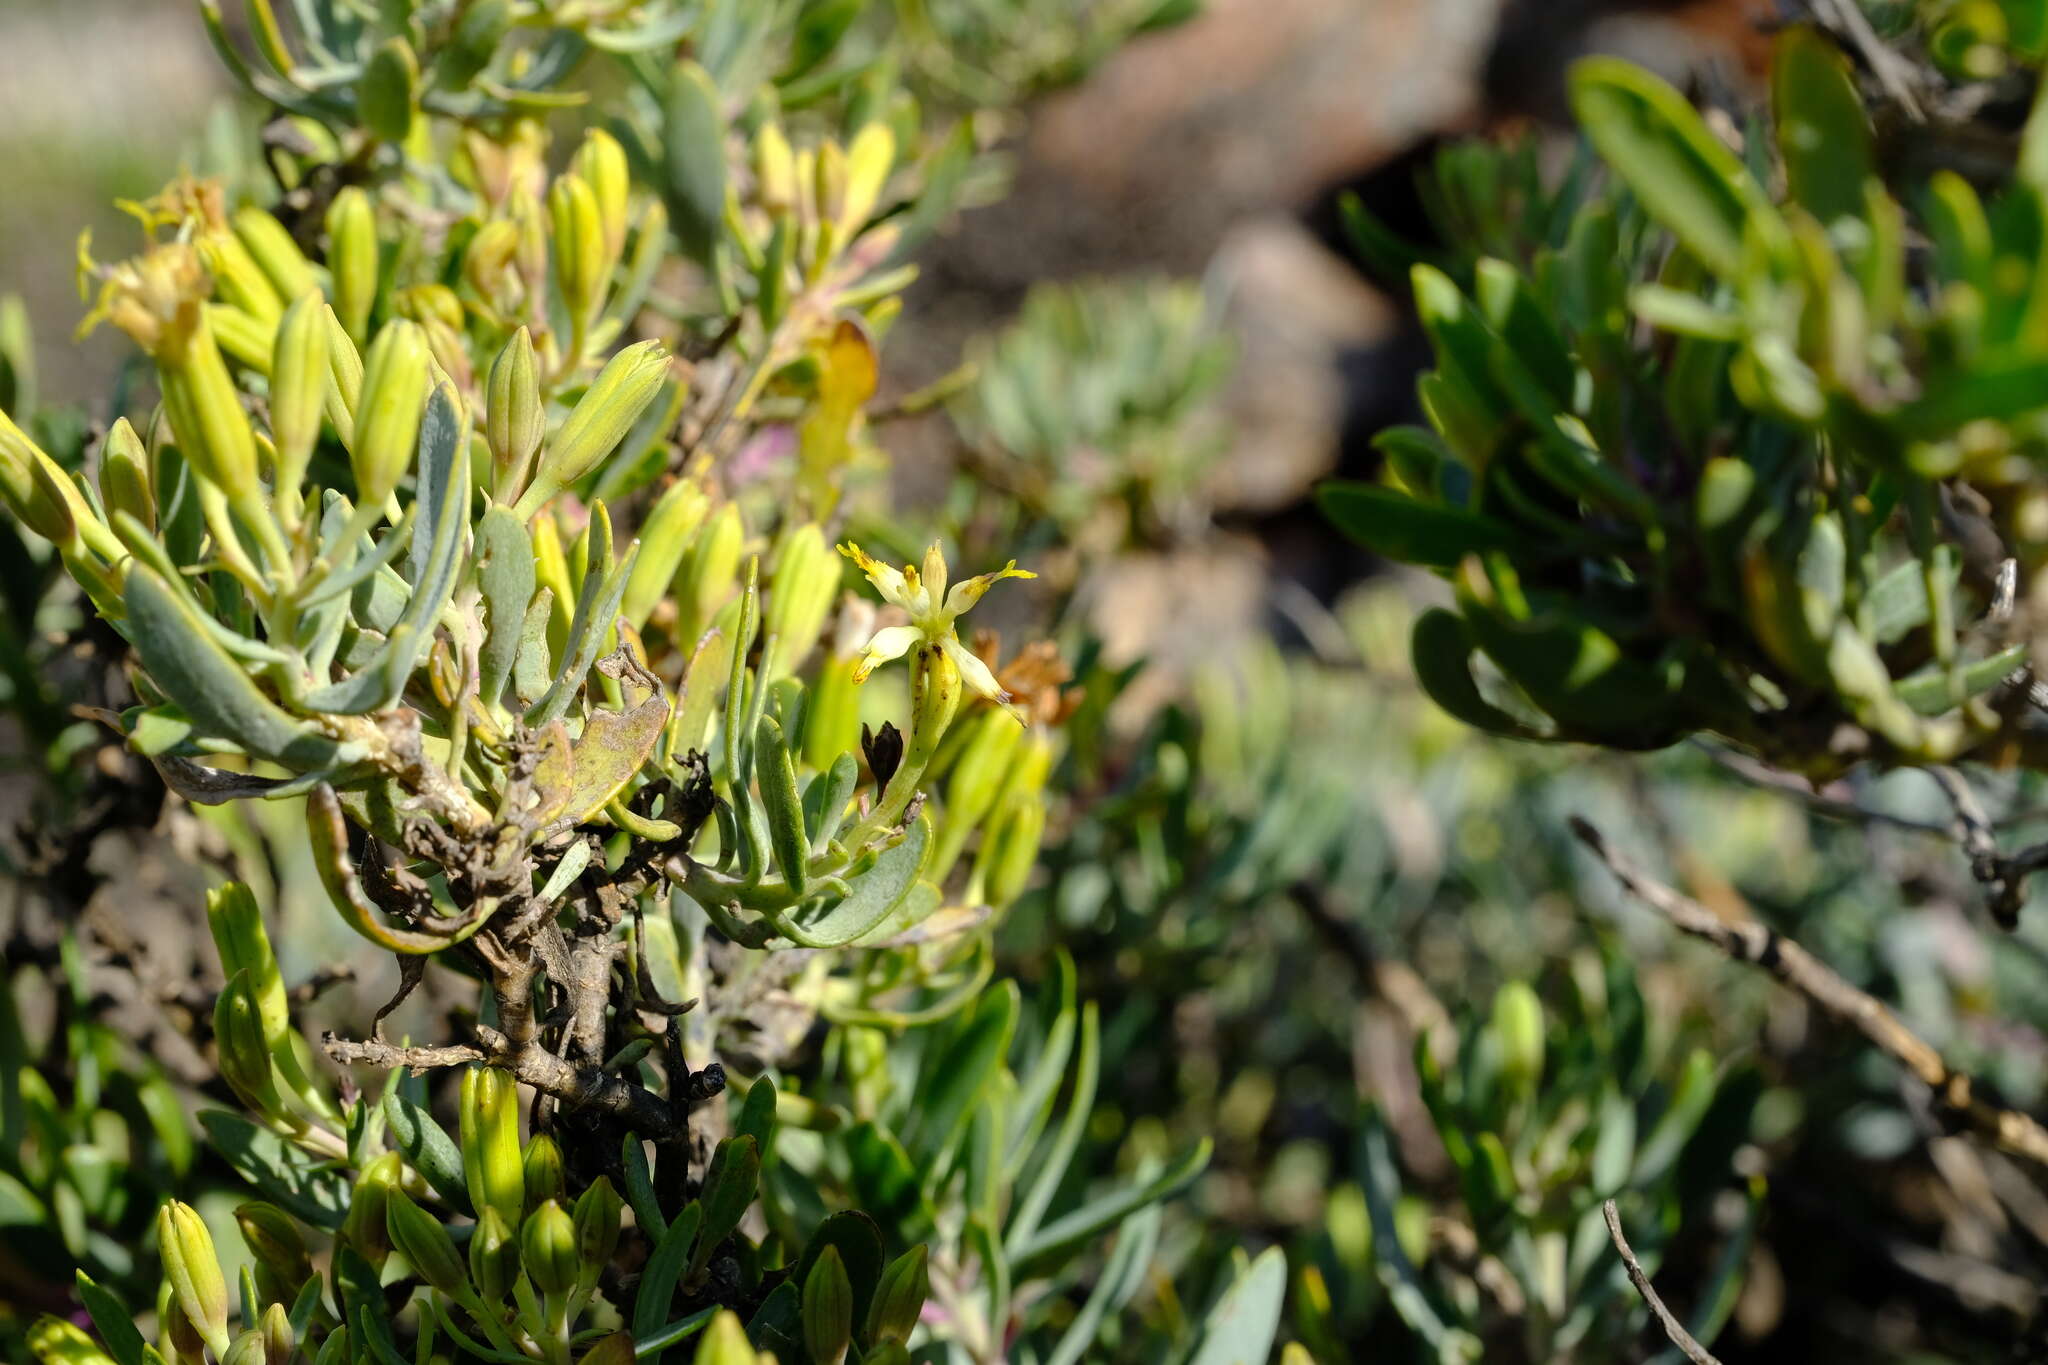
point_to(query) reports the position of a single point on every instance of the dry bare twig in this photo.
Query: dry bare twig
(1673, 1328)
(1955, 1092)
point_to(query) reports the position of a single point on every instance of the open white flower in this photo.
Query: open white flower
(933, 610)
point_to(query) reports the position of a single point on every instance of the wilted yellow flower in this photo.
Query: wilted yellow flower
(933, 612)
(151, 295)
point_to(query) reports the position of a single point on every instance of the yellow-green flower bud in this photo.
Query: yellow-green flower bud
(206, 409)
(774, 169)
(36, 499)
(176, 1338)
(278, 1339)
(543, 1167)
(664, 540)
(868, 162)
(364, 1227)
(515, 423)
(248, 1349)
(527, 214)
(237, 279)
(493, 1257)
(800, 593)
(581, 265)
(268, 243)
(124, 474)
(298, 395)
(388, 94)
(352, 260)
(899, 1297)
(832, 717)
(244, 1052)
(725, 1342)
(276, 1243)
(345, 371)
(193, 1272)
(597, 1225)
(419, 1237)
(547, 1244)
(53, 1341)
(598, 422)
(1518, 1035)
(709, 574)
(826, 1311)
(238, 935)
(601, 163)
(979, 773)
(1013, 852)
(395, 380)
(489, 1129)
(489, 256)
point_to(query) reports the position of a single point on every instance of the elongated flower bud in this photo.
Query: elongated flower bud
(395, 380)
(365, 1228)
(244, 1052)
(419, 1237)
(238, 935)
(799, 596)
(278, 1338)
(709, 573)
(489, 1130)
(774, 169)
(725, 1342)
(515, 423)
(826, 1311)
(248, 1349)
(298, 395)
(599, 421)
(489, 256)
(124, 475)
(597, 1225)
(193, 1272)
(276, 1243)
(543, 1167)
(53, 1341)
(547, 1243)
(899, 1297)
(271, 246)
(601, 163)
(205, 409)
(493, 1257)
(664, 540)
(580, 261)
(1518, 1034)
(352, 260)
(32, 495)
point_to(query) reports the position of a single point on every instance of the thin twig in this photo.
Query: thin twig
(1771, 779)
(1955, 1092)
(1673, 1328)
(2004, 879)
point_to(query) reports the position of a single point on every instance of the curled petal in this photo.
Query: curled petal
(891, 642)
(967, 592)
(935, 573)
(973, 672)
(888, 581)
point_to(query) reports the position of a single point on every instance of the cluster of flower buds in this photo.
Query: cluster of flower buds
(532, 1280)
